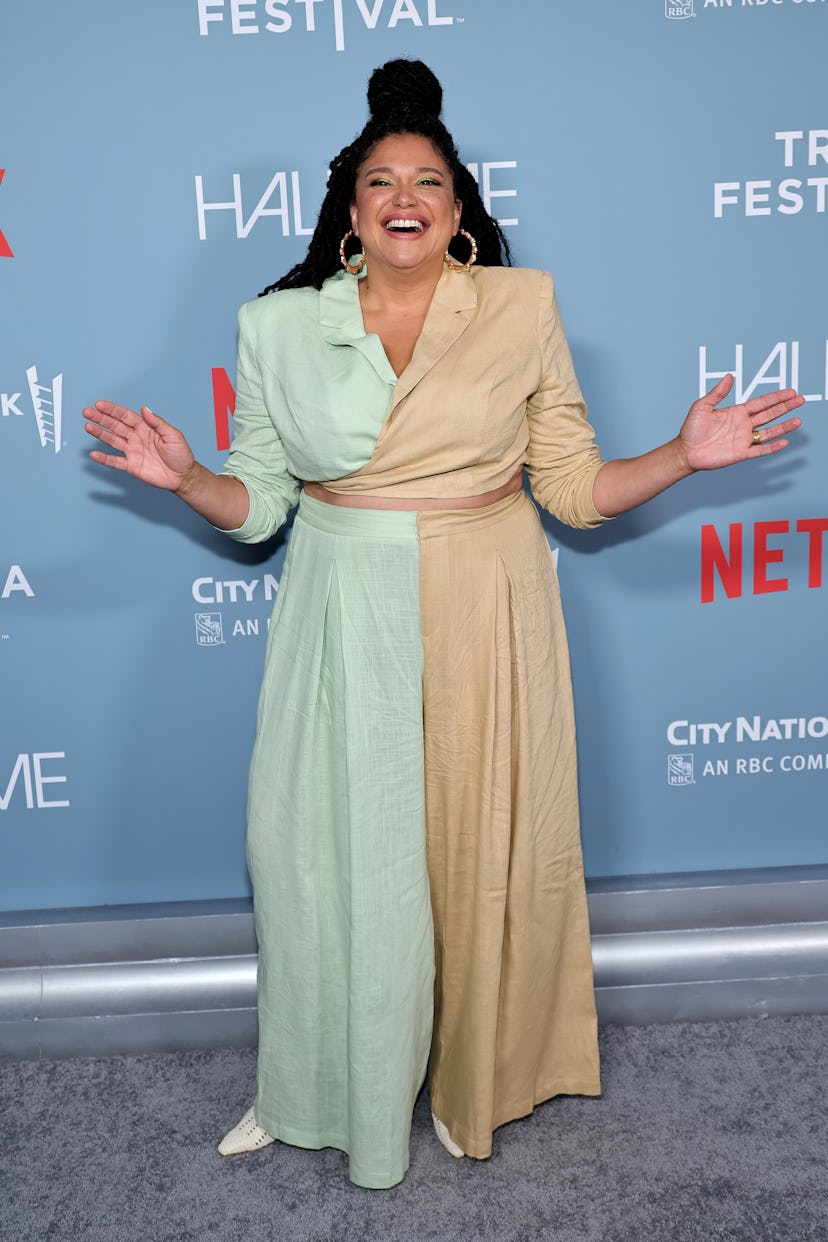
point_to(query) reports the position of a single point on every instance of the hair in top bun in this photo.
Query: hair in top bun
(404, 97)
(404, 88)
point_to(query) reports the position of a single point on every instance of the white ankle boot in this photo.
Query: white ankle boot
(445, 1138)
(248, 1135)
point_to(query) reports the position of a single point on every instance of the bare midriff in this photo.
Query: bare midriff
(352, 500)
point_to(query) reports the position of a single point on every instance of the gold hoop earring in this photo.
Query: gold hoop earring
(354, 268)
(455, 265)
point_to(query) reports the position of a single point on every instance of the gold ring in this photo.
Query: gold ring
(756, 436)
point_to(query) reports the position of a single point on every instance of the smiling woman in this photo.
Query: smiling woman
(403, 710)
(413, 835)
(405, 214)
(405, 101)
(405, 211)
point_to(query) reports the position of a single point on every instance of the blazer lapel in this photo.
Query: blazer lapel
(451, 311)
(340, 319)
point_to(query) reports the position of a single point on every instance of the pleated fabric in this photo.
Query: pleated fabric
(515, 1019)
(336, 844)
(416, 753)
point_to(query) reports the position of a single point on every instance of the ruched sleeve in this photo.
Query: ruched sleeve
(257, 456)
(562, 459)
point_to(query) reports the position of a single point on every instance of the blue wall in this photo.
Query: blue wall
(604, 130)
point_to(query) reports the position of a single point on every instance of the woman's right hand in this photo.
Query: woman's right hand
(150, 449)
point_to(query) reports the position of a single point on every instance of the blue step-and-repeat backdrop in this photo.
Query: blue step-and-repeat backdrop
(162, 161)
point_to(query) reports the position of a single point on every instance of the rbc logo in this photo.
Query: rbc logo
(677, 11)
(680, 770)
(209, 631)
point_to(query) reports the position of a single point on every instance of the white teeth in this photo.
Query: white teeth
(415, 226)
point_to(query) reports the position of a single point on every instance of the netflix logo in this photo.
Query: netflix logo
(749, 558)
(224, 405)
(5, 249)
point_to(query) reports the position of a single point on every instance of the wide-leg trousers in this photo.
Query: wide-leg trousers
(413, 834)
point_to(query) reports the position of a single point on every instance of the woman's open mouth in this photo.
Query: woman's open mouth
(405, 226)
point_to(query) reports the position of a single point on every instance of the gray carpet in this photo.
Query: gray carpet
(705, 1131)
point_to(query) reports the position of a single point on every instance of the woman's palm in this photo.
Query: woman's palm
(147, 447)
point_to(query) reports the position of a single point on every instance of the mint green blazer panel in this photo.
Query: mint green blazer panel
(305, 407)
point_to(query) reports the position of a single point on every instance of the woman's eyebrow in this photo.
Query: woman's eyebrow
(426, 168)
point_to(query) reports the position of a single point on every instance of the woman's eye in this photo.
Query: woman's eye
(428, 181)
(379, 181)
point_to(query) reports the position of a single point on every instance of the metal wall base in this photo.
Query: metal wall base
(140, 979)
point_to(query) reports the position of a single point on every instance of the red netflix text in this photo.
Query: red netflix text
(724, 561)
(5, 249)
(224, 404)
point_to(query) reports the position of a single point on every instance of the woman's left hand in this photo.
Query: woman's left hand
(711, 437)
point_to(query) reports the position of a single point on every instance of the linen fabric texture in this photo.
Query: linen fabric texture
(413, 833)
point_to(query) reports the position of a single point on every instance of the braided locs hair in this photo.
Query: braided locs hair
(404, 97)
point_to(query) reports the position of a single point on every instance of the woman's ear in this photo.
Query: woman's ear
(458, 212)
(354, 220)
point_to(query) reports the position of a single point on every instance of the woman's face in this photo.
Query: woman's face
(404, 210)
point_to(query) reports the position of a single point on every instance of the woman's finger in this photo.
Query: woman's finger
(108, 459)
(116, 425)
(121, 413)
(773, 404)
(720, 390)
(764, 436)
(113, 438)
(153, 420)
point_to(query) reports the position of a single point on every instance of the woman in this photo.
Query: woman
(416, 688)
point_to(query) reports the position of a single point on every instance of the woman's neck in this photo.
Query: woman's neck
(396, 309)
(401, 293)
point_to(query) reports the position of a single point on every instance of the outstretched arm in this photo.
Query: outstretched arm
(154, 451)
(709, 438)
